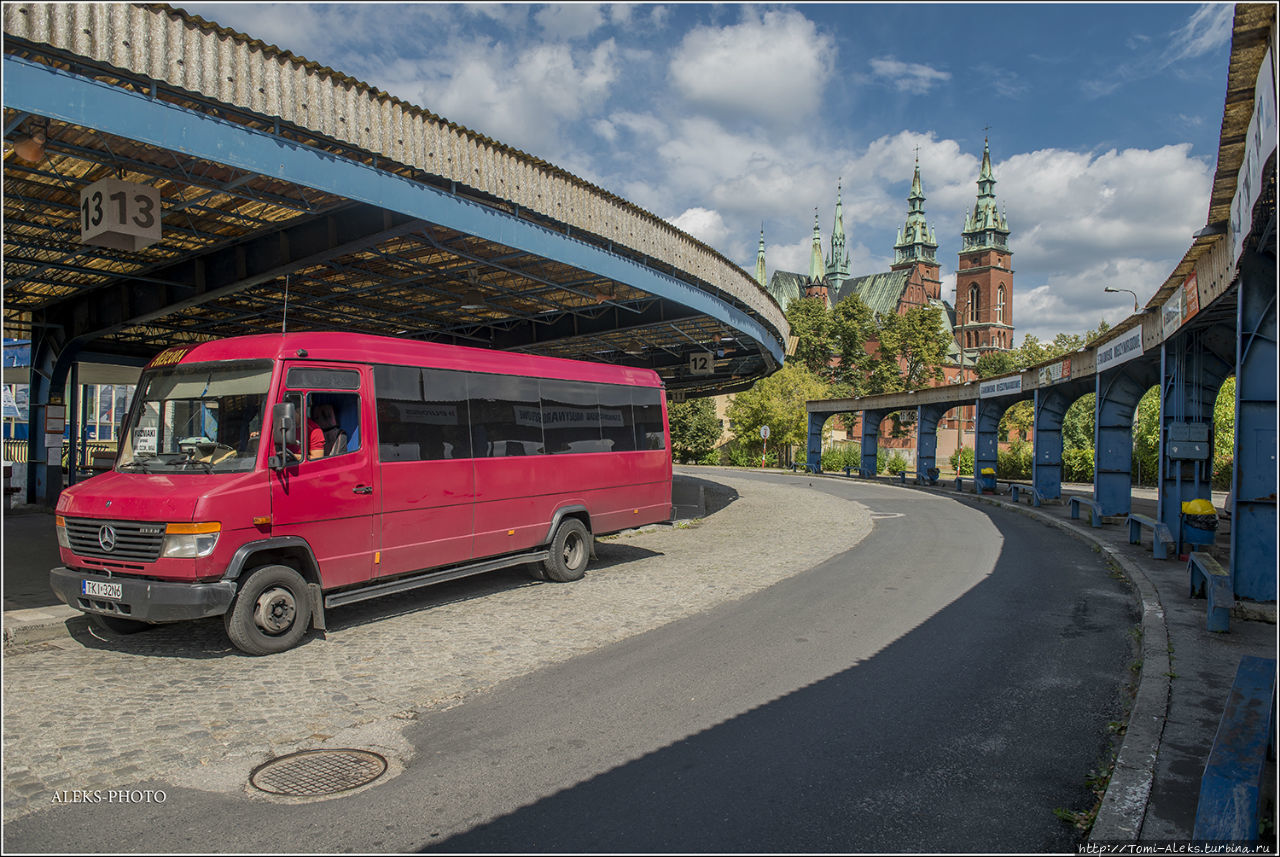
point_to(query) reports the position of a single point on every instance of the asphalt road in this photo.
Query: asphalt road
(945, 685)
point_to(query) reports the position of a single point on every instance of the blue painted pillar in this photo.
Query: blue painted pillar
(870, 441)
(1118, 393)
(927, 417)
(1046, 462)
(986, 434)
(1253, 511)
(813, 450)
(1191, 373)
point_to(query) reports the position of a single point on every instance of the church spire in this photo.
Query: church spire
(760, 273)
(916, 241)
(986, 226)
(837, 267)
(817, 270)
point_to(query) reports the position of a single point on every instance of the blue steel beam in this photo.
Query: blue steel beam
(1253, 518)
(58, 94)
(927, 419)
(1193, 364)
(1118, 392)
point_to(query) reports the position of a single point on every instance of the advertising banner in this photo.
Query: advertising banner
(1000, 386)
(1190, 297)
(1060, 371)
(1120, 350)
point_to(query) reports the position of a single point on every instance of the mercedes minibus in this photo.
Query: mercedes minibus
(267, 479)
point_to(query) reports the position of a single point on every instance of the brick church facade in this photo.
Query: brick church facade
(981, 321)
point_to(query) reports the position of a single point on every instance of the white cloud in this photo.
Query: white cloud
(1207, 29)
(523, 99)
(913, 78)
(569, 20)
(771, 68)
(1074, 302)
(704, 224)
(1133, 204)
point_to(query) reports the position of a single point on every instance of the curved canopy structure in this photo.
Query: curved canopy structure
(291, 194)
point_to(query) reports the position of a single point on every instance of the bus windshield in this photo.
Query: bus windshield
(198, 418)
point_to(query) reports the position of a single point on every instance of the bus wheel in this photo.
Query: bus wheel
(570, 550)
(117, 625)
(271, 613)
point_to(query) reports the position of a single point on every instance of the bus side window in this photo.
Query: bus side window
(336, 417)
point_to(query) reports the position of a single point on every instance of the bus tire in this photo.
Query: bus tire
(117, 625)
(569, 552)
(271, 613)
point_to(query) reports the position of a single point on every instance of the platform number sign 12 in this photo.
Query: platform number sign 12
(119, 214)
(701, 363)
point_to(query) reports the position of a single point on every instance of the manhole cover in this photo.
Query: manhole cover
(318, 772)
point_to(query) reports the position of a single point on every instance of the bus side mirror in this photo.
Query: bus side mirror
(284, 434)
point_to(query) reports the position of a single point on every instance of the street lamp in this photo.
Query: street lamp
(1135, 295)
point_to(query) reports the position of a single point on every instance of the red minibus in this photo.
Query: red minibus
(269, 478)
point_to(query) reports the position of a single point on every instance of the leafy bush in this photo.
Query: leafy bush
(837, 458)
(964, 456)
(1222, 471)
(747, 454)
(897, 461)
(1077, 465)
(1015, 463)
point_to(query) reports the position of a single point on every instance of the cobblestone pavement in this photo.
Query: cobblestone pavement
(178, 704)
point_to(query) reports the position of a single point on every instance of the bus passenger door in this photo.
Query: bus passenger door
(326, 495)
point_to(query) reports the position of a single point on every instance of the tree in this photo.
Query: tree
(915, 344)
(811, 324)
(996, 363)
(778, 402)
(695, 429)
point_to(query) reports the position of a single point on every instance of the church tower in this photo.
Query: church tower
(838, 262)
(916, 250)
(984, 279)
(816, 285)
(761, 277)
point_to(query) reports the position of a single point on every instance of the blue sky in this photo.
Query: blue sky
(1103, 119)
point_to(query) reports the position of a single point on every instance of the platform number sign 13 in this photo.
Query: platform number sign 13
(119, 214)
(702, 363)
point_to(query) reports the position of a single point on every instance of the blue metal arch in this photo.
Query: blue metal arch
(59, 94)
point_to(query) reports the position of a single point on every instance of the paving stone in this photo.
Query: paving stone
(465, 637)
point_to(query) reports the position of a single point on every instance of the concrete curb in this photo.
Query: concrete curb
(38, 625)
(1124, 804)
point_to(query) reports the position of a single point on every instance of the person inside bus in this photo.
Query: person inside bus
(324, 436)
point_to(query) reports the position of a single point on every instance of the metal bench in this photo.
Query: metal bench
(9, 489)
(1213, 582)
(1161, 538)
(808, 468)
(902, 476)
(1230, 805)
(1095, 511)
(1018, 490)
(959, 483)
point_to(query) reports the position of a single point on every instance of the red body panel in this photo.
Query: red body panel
(419, 514)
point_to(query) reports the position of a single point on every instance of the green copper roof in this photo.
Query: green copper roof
(817, 270)
(786, 286)
(880, 292)
(986, 226)
(761, 277)
(916, 241)
(838, 262)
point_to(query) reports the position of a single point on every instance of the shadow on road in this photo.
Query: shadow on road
(965, 734)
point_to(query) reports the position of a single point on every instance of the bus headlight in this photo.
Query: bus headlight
(190, 540)
(60, 525)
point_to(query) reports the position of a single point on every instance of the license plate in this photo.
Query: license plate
(95, 589)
